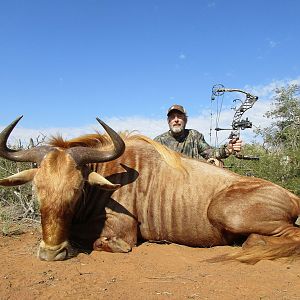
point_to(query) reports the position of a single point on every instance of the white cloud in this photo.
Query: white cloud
(267, 91)
(145, 126)
(272, 44)
(153, 127)
(182, 56)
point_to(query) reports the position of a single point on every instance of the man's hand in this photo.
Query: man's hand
(234, 145)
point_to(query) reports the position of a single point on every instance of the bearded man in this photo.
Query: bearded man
(191, 142)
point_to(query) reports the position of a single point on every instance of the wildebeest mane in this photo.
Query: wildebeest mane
(97, 140)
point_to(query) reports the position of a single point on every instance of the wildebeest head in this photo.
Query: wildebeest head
(58, 182)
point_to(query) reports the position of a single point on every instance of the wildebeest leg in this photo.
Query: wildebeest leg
(119, 234)
(258, 247)
(243, 210)
(253, 239)
(264, 213)
(111, 244)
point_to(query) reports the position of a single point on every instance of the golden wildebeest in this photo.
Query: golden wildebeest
(103, 195)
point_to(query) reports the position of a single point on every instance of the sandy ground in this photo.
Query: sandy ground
(150, 271)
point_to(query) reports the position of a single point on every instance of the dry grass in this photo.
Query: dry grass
(18, 205)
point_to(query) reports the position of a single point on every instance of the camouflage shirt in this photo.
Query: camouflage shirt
(191, 144)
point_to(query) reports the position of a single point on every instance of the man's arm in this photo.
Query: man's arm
(207, 151)
(204, 149)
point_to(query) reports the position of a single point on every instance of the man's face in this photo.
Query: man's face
(177, 122)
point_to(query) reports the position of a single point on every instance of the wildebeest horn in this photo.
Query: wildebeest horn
(84, 155)
(34, 155)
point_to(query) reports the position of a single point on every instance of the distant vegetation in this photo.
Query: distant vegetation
(279, 161)
(280, 151)
(18, 205)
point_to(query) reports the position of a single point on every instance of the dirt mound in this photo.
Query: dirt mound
(150, 271)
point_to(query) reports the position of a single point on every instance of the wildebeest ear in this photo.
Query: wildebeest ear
(19, 178)
(95, 178)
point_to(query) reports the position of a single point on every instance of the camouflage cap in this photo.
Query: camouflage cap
(176, 107)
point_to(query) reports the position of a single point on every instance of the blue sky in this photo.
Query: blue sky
(63, 63)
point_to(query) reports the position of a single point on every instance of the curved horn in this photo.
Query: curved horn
(84, 155)
(34, 155)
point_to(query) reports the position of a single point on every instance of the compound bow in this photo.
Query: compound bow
(237, 123)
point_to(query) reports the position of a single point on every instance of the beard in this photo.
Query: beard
(177, 129)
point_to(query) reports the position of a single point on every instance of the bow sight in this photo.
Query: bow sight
(243, 124)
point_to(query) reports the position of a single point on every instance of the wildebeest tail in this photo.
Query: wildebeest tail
(256, 253)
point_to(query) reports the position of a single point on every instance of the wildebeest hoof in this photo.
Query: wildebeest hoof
(112, 244)
(254, 240)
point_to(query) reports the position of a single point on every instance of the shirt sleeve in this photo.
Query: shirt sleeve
(159, 139)
(207, 151)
